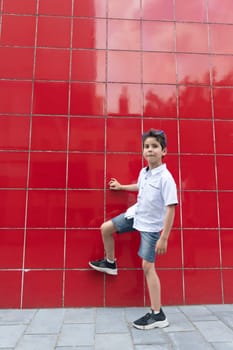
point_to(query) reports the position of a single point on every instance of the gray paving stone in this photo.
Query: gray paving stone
(215, 331)
(220, 307)
(46, 321)
(80, 315)
(223, 346)
(77, 335)
(111, 321)
(113, 342)
(227, 318)
(154, 347)
(16, 316)
(133, 313)
(189, 340)
(74, 348)
(10, 335)
(198, 313)
(178, 323)
(37, 342)
(149, 337)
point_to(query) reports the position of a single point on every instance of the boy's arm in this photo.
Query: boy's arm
(161, 246)
(117, 186)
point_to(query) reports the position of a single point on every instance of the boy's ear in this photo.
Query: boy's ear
(164, 151)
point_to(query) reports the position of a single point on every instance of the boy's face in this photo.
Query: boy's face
(153, 152)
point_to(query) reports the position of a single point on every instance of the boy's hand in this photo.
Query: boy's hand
(161, 246)
(114, 185)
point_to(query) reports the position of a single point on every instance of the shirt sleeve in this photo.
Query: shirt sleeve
(169, 191)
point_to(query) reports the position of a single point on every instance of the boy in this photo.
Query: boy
(152, 216)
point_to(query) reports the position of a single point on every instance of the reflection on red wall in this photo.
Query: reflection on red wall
(79, 81)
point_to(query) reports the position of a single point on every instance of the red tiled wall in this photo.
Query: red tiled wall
(79, 81)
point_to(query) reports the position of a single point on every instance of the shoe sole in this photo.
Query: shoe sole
(104, 269)
(158, 324)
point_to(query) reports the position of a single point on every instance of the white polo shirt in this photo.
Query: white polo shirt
(157, 189)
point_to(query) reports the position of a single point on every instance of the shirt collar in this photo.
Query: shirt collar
(156, 170)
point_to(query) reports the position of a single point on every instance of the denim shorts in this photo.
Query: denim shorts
(148, 239)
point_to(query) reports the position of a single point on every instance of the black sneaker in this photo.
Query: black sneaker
(104, 266)
(152, 320)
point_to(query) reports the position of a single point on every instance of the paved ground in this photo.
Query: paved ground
(202, 327)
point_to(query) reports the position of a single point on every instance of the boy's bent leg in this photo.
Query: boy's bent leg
(105, 265)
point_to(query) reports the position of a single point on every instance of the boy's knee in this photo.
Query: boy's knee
(107, 228)
(147, 266)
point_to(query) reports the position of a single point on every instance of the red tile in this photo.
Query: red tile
(226, 248)
(173, 257)
(124, 67)
(15, 96)
(223, 108)
(220, 11)
(171, 280)
(124, 99)
(225, 209)
(194, 10)
(79, 212)
(122, 9)
(195, 102)
(225, 181)
(12, 208)
(128, 170)
(86, 170)
(87, 98)
(208, 288)
(217, 33)
(151, 71)
(14, 132)
(125, 290)
(195, 254)
(50, 98)
(191, 37)
(35, 250)
(52, 64)
(193, 69)
(81, 140)
(10, 289)
(158, 10)
(83, 246)
(18, 30)
(228, 286)
(194, 208)
(13, 170)
(49, 133)
(76, 282)
(11, 248)
(54, 31)
(222, 68)
(118, 201)
(158, 36)
(224, 131)
(19, 7)
(126, 250)
(55, 7)
(130, 142)
(191, 176)
(169, 127)
(95, 33)
(47, 170)
(90, 8)
(89, 65)
(123, 35)
(42, 289)
(160, 101)
(24, 58)
(193, 130)
(46, 208)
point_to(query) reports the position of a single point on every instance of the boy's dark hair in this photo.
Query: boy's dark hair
(158, 134)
